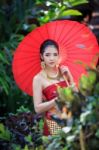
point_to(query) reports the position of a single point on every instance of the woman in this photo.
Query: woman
(45, 84)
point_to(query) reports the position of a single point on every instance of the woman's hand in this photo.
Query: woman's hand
(66, 74)
(69, 79)
(64, 69)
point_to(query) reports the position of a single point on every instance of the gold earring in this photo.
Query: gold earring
(42, 65)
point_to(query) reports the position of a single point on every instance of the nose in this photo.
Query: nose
(51, 57)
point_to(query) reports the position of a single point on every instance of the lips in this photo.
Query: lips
(51, 62)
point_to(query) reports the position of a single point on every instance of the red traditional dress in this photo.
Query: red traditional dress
(50, 126)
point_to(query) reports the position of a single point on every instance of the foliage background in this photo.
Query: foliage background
(17, 19)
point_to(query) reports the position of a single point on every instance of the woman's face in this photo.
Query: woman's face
(50, 56)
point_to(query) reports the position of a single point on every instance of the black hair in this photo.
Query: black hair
(47, 43)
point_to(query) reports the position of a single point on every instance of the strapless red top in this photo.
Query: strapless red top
(50, 93)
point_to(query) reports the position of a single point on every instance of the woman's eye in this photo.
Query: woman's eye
(55, 54)
(47, 55)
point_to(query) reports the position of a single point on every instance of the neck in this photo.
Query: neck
(52, 73)
(53, 70)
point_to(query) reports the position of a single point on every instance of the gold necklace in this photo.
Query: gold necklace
(56, 77)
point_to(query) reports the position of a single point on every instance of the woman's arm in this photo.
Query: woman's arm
(39, 105)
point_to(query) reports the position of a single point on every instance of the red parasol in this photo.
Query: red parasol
(76, 42)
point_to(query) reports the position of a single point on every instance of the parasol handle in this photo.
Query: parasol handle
(64, 76)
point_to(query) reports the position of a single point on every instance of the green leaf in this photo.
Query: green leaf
(16, 147)
(96, 89)
(97, 133)
(4, 133)
(45, 139)
(60, 94)
(77, 2)
(92, 77)
(41, 123)
(26, 147)
(68, 93)
(84, 82)
(3, 59)
(31, 27)
(4, 85)
(22, 109)
(2, 128)
(62, 8)
(70, 12)
(28, 138)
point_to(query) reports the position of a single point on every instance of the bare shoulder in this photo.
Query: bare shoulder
(38, 78)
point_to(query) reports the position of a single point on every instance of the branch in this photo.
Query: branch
(82, 142)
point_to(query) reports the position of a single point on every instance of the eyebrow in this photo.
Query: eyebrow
(51, 53)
